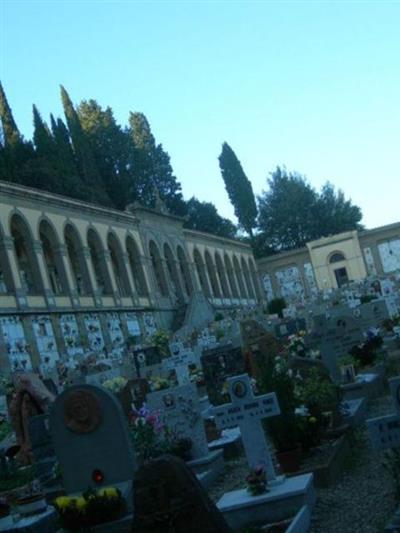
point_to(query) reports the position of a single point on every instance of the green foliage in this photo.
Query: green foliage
(203, 216)
(93, 158)
(239, 188)
(13, 477)
(218, 316)
(5, 429)
(292, 213)
(276, 306)
(152, 168)
(274, 376)
(160, 339)
(83, 153)
(11, 135)
(317, 394)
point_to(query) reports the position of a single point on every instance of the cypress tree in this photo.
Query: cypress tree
(68, 170)
(239, 189)
(83, 153)
(11, 134)
(112, 149)
(152, 167)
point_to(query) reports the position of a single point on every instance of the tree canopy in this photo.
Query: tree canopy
(239, 189)
(203, 216)
(292, 212)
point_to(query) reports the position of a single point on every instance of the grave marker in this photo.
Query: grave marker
(384, 431)
(180, 411)
(218, 364)
(91, 439)
(247, 411)
(180, 364)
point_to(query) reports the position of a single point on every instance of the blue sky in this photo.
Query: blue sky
(311, 85)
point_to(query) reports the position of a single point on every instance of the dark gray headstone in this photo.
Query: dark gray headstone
(336, 337)
(218, 364)
(90, 434)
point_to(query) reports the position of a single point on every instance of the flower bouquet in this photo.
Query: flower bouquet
(257, 481)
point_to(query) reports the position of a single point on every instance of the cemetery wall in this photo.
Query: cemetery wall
(299, 274)
(66, 265)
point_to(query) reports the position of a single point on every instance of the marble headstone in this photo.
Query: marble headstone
(180, 411)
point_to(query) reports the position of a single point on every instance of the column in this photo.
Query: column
(37, 249)
(133, 292)
(62, 251)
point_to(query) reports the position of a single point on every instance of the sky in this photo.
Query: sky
(314, 86)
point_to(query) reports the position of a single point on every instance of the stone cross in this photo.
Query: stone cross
(247, 411)
(180, 363)
(384, 431)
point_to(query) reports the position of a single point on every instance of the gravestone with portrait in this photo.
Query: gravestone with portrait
(179, 363)
(247, 411)
(336, 337)
(91, 440)
(219, 364)
(181, 413)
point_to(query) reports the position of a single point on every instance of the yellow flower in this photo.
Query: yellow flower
(312, 420)
(110, 492)
(80, 502)
(62, 501)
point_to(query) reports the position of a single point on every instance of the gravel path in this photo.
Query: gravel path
(361, 502)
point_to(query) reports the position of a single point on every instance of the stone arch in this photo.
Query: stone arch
(158, 268)
(231, 276)
(247, 279)
(53, 258)
(173, 271)
(239, 277)
(254, 278)
(222, 275)
(6, 277)
(118, 265)
(136, 266)
(212, 276)
(336, 257)
(24, 247)
(201, 272)
(77, 260)
(98, 258)
(184, 269)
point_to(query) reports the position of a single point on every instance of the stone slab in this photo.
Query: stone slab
(356, 410)
(301, 522)
(240, 509)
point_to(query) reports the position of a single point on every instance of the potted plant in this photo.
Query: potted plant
(276, 376)
(93, 508)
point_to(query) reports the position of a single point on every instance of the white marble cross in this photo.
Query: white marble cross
(247, 411)
(180, 363)
(384, 431)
